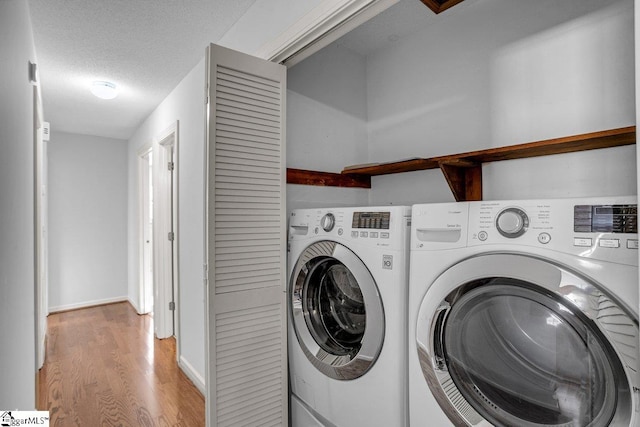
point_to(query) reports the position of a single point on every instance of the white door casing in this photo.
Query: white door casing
(145, 236)
(245, 246)
(165, 232)
(41, 241)
(324, 24)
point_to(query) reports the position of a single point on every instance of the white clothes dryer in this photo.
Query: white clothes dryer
(524, 313)
(348, 280)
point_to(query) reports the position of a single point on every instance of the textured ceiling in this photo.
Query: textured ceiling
(144, 46)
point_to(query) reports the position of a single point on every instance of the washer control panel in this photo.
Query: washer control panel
(375, 226)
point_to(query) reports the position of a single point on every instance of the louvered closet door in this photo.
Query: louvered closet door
(246, 243)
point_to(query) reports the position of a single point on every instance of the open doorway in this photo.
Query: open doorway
(157, 237)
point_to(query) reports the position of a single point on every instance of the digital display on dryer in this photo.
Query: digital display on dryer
(605, 218)
(374, 220)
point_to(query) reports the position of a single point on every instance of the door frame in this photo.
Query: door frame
(323, 25)
(40, 225)
(166, 323)
(143, 177)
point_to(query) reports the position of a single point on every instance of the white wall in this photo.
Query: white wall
(326, 124)
(17, 252)
(505, 72)
(87, 220)
(184, 104)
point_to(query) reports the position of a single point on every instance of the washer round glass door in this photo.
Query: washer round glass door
(336, 309)
(526, 343)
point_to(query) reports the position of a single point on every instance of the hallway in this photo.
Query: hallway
(104, 367)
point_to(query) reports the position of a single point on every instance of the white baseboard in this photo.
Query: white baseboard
(86, 304)
(193, 375)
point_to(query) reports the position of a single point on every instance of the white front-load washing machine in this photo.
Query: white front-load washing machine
(524, 313)
(348, 279)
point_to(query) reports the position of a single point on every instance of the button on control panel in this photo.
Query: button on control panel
(582, 241)
(544, 238)
(609, 243)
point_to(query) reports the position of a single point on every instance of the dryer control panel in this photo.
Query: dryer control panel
(597, 228)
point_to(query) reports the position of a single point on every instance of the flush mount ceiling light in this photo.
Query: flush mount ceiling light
(104, 90)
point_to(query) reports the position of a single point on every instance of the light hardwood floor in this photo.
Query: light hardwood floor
(104, 367)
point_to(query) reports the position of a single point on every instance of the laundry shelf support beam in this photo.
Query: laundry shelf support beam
(327, 179)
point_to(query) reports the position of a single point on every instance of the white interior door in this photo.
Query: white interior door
(246, 241)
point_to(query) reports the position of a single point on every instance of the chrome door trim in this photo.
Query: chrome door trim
(340, 367)
(618, 327)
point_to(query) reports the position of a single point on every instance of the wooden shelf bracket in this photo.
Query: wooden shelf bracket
(464, 179)
(438, 6)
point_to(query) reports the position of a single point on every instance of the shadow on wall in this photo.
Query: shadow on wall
(575, 78)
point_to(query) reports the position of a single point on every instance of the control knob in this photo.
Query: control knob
(512, 222)
(328, 222)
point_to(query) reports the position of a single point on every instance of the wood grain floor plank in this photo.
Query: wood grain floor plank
(104, 367)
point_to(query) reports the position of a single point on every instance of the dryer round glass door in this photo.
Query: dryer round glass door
(337, 313)
(524, 344)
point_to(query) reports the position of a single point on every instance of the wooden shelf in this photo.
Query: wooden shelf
(463, 171)
(324, 179)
